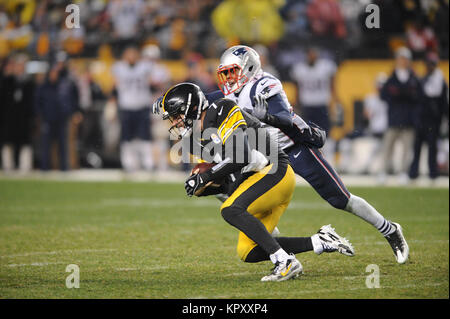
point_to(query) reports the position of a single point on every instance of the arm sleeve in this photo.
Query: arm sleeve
(278, 114)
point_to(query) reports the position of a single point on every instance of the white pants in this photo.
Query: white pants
(406, 138)
(136, 154)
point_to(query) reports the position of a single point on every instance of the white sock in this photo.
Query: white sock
(279, 256)
(8, 157)
(317, 244)
(358, 206)
(144, 149)
(128, 157)
(26, 158)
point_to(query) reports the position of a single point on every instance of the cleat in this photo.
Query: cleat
(332, 242)
(291, 268)
(398, 244)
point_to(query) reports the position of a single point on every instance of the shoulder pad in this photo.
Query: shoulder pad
(269, 86)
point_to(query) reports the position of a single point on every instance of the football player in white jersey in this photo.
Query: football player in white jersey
(132, 91)
(242, 80)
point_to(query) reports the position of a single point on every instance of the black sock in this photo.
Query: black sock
(292, 245)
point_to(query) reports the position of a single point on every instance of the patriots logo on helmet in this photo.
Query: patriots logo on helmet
(239, 52)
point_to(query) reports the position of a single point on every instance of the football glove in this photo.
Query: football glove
(315, 136)
(194, 184)
(260, 107)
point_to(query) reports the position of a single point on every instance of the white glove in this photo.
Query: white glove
(260, 107)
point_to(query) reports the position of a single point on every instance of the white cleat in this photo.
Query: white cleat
(398, 244)
(332, 242)
(291, 268)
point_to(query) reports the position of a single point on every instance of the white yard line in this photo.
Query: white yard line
(117, 175)
(57, 252)
(40, 264)
(153, 268)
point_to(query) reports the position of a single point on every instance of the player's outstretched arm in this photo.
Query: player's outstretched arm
(272, 111)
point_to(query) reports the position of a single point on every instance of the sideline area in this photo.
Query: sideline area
(117, 175)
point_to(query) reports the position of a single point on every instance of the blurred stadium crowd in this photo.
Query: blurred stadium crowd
(59, 110)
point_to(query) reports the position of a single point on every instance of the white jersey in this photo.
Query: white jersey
(434, 84)
(125, 16)
(266, 84)
(377, 111)
(314, 82)
(132, 84)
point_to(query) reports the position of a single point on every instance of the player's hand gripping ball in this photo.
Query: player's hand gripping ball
(194, 184)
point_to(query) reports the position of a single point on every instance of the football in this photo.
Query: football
(201, 167)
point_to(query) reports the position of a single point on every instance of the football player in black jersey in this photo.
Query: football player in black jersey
(260, 186)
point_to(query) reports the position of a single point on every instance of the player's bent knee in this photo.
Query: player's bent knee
(229, 213)
(339, 202)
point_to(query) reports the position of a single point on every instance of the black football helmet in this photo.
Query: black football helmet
(182, 104)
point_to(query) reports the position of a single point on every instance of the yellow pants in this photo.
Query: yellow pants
(266, 197)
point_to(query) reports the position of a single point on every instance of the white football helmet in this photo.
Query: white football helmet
(238, 65)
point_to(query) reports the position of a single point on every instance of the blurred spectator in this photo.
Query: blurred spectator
(160, 79)
(18, 33)
(403, 93)
(160, 74)
(56, 101)
(125, 16)
(440, 22)
(294, 14)
(248, 21)
(315, 80)
(421, 38)
(376, 113)
(199, 73)
(92, 100)
(265, 60)
(325, 19)
(316, 92)
(132, 83)
(17, 99)
(431, 114)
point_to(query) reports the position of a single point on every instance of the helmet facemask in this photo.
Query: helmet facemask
(231, 78)
(181, 126)
(238, 66)
(183, 115)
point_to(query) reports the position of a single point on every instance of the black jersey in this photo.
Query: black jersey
(225, 122)
(229, 137)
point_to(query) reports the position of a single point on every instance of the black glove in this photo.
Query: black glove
(260, 107)
(195, 184)
(315, 136)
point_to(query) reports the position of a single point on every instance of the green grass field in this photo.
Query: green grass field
(148, 240)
